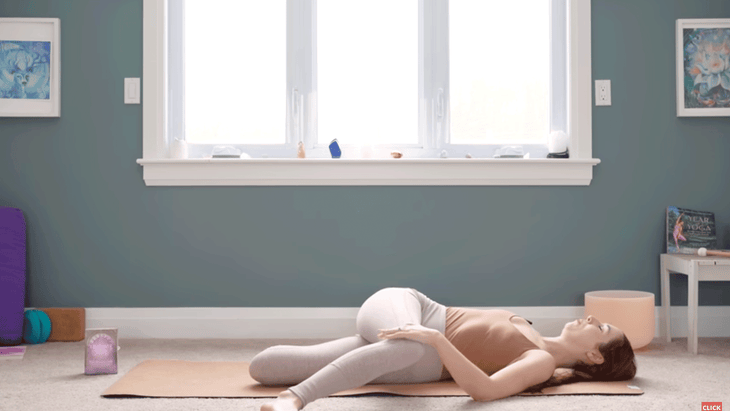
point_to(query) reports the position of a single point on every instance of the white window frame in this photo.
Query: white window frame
(160, 169)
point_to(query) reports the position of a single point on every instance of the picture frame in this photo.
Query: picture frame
(703, 72)
(30, 67)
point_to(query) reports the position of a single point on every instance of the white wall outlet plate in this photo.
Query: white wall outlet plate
(131, 90)
(603, 92)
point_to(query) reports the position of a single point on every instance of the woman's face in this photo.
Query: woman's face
(589, 333)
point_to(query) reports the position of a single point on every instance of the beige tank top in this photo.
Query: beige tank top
(486, 337)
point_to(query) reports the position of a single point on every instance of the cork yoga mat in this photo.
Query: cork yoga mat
(185, 379)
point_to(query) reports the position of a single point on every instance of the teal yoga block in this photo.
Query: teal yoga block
(36, 327)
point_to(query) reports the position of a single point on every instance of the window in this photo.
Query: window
(436, 75)
(499, 92)
(369, 59)
(234, 66)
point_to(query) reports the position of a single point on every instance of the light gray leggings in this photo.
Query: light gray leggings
(351, 362)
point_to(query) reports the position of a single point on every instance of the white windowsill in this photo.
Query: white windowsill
(368, 172)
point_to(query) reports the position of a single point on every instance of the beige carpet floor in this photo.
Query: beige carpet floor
(51, 377)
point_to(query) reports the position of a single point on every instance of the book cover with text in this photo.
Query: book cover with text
(688, 230)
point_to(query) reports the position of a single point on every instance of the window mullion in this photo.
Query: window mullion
(293, 11)
(300, 72)
(175, 95)
(310, 74)
(424, 89)
(558, 65)
(443, 88)
(434, 75)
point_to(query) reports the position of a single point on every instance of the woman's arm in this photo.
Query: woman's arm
(466, 375)
(533, 367)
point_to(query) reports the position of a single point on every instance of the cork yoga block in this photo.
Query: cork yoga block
(67, 324)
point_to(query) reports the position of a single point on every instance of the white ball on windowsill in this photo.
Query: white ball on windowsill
(558, 142)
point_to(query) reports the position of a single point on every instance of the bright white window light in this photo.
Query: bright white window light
(499, 71)
(367, 71)
(235, 71)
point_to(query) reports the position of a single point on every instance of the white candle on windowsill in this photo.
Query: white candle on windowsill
(179, 149)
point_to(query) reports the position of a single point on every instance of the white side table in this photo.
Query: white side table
(696, 269)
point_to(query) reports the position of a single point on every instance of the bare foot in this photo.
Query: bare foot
(286, 401)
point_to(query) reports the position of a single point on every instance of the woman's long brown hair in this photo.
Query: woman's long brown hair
(619, 364)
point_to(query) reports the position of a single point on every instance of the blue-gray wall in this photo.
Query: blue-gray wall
(98, 237)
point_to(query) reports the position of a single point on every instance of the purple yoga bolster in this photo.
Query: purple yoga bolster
(12, 275)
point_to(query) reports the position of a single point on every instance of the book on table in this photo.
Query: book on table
(689, 230)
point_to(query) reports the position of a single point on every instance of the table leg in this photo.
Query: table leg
(666, 323)
(692, 303)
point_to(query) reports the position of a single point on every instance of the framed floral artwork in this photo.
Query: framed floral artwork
(703, 67)
(30, 67)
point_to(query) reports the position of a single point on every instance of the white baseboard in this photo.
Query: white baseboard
(336, 322)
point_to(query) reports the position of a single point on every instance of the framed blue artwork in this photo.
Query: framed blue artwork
(30, 67)
(703, 67)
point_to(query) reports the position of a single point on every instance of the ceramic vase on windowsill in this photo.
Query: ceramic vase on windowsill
(179, 149)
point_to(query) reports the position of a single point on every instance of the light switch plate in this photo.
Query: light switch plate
(131, 90)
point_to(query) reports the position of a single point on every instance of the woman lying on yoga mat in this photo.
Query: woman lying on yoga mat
(405, 337)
